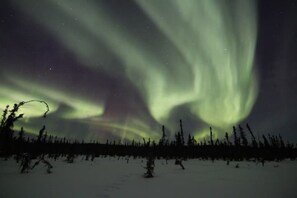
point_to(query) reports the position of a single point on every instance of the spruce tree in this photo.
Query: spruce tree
(243, 136)
(235, 136)
(227, 138)
(181, 133)
(211, 137)
(254, 142)
(40, 134)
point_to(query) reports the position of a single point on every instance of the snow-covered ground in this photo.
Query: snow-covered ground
(110, 177)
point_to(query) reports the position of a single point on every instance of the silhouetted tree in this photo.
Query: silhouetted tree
(236, 140)
(40, 134)
(254, 142)
(191, 140)
(227, 138)
(266, 143)
(182, 132)
(282, 144)
(243, 137)
(178, 139)
(150, 166)
(25, 164)
(163, 138)
(179, 162)
(21, 135)
(211, 138)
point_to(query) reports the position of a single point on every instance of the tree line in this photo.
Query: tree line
(239, 145)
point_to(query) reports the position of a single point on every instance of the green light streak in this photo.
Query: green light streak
(10, 96)
(143, 67)
(205, 134)
(18, 89)
(207, 65)
(129, 129)
(218, 43)
(80, 107)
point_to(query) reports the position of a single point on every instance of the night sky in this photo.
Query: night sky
(122, 69)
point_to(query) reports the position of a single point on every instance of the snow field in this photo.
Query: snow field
(113, 177)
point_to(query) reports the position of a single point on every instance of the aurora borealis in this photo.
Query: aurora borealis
(121, 69)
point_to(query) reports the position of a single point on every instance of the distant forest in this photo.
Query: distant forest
(240, 145)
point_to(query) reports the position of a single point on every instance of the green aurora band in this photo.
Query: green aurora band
(203, 58)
